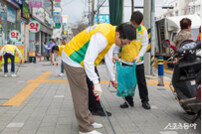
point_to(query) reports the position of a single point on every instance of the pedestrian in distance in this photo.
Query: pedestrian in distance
(9, 51)
(58, 50)
(80, 56)
(134, 52)
(50, 45)
(45, 51)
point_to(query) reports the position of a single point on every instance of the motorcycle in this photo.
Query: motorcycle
(186, 79)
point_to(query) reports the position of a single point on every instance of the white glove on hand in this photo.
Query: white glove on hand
(97, 90)
(137, 59)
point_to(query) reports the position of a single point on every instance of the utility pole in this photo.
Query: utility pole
(146, 23)
(93, 14)
(132, 3)
(152, 21)
(98, 11)
(89, 13)
(147, 10)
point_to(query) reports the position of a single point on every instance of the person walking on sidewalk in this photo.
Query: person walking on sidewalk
(135, 52)
(50, 45)
(80, 56)
(45, 51)
(8, 51)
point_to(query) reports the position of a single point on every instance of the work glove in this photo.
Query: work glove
(114, 84)
(114, 59)
(97, 90)
(137, 59)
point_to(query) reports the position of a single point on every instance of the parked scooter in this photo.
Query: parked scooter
(186, 79)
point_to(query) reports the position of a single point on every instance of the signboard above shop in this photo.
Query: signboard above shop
(14, 36)
(34, 26)
(103, 18)
(11, 16)
(25, 12)
(16, 3)
(35, 3)
(57, 4)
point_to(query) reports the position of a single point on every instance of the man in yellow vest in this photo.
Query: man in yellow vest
(135, 52)
(80, 56)
(8, 51)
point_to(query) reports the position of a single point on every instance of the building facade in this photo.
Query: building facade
(182, 7)
(16, 15)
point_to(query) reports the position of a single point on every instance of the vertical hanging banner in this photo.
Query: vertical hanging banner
(57, 18)
(35, 3)
(34, 26)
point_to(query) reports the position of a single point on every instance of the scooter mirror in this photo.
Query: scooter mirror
(165, 44)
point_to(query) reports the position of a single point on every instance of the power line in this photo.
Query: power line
(101, 4)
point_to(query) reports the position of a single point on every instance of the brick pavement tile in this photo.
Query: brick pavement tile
(46, 130)
(30, 127)
(10, 131)
(64, 120)
(63, 129)
(50, 118)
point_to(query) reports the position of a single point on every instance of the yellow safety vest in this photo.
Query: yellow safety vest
(130, 51)
(61, 48)
(77, 47)
(10, 48)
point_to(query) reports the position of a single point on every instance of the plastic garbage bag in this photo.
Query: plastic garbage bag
(127, 80)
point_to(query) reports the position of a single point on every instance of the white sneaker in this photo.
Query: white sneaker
(97, 125)
(13, 75)
(61, 74)
(91, 132)
(6, 75)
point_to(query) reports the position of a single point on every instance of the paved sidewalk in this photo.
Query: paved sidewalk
(48, 109)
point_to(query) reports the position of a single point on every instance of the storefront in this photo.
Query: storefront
(2, 23)
(10, 20)
(44, 18)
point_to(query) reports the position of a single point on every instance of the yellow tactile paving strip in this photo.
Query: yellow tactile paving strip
(21, 96)
(155, 82)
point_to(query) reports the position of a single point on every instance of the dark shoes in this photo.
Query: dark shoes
(100, 113)
(146, 105)
(125, 105)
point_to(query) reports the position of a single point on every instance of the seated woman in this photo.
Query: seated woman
(184, 34)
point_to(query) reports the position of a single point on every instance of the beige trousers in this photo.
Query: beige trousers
(79, 89)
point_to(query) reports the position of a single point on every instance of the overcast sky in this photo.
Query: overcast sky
(75, 8)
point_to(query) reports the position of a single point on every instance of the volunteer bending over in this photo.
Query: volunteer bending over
(80, 56)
